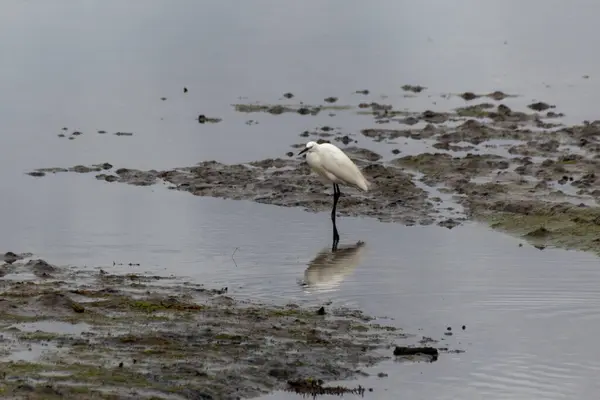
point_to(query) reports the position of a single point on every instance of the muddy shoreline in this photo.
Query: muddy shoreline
(105, 332)
(520, 171)
(101, 333)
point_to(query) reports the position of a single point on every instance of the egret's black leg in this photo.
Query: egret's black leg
(336, 196)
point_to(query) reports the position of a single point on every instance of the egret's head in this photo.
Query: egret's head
(309, 146)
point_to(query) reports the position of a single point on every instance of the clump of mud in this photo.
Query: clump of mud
(203, 119)
(443, 168)
(497, 95)
(522, 171)
(394, 197)
(315, 388)
(413, 88)
(518, 165)
(277, 109)
(98, 334)
(9, 257)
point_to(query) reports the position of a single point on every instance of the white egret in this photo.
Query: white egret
(332, 165)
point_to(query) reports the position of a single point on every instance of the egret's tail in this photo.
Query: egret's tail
(364, 184)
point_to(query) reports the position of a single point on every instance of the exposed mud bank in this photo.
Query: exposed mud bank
(289, 183)
(521, 171)
(74, 333)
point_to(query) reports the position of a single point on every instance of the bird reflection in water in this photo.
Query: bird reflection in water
(329, 268)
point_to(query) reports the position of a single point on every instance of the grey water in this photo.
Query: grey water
(531, 316)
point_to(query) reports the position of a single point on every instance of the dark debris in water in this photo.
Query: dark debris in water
(497, 95)
(403, 351)
(540, 106)
(413, 88)
(203, 119)
(315, 388)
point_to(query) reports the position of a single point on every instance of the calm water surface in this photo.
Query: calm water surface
(531, 316)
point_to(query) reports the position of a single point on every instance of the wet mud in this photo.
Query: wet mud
(108, 333)
(75, 134)
(289, 183)
(302, 109)
(522, 171)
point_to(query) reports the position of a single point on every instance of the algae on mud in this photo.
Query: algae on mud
(563, 225)
(139, 338)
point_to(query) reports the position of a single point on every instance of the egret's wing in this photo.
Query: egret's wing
(337, 163)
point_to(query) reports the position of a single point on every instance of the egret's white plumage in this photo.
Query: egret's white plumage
(334, 166)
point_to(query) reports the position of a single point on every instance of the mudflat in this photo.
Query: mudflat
(520, 171)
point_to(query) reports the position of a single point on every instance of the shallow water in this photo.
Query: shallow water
(53, 327)
(530, 314)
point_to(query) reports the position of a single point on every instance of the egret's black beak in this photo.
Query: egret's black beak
(303, 151)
